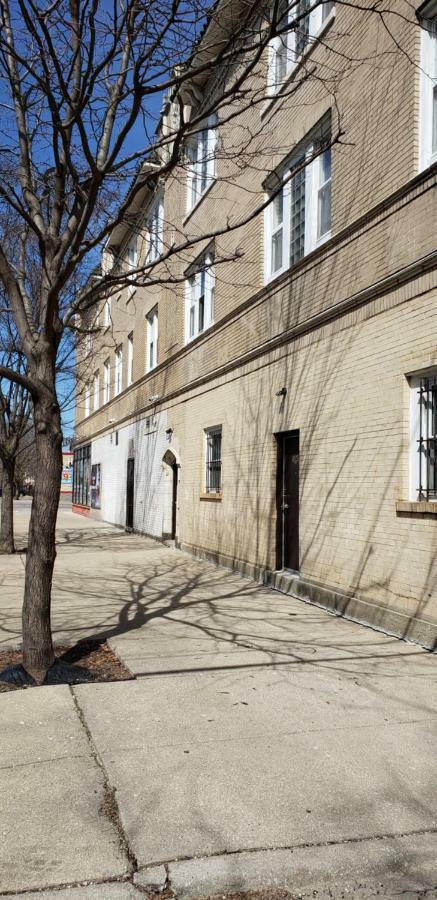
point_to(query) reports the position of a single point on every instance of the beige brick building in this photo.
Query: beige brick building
(273, 404)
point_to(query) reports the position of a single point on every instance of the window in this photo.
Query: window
(87, 399)
(155, 226)
(118, 381)
(81, 475)
(299, 217)
(423, 438)
(200, 297)
(213, 472)
(428, 87)
(132, 263)
(106, 381)
(130, 358)
(107, 313)
(96, 390)
(298, 26)
(152, 339)
(201, 162)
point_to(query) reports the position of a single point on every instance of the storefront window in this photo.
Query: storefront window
(81, 476)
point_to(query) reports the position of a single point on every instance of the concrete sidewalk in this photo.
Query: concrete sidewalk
(264, 742)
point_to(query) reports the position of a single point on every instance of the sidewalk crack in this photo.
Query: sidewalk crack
(109, 806)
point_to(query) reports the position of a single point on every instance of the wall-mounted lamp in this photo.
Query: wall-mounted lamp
(282, 392)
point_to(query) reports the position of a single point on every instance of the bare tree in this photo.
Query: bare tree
(81, 84)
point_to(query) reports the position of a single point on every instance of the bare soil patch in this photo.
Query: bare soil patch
(95, 656)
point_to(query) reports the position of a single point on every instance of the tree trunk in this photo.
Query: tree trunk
(7, 509)
(38, 653)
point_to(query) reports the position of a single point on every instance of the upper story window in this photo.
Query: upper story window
(96, 390)
(299, 217)
(152, 339)
(428, 86)
(155, 226)
(130, 358)
(423, 437)
(201, 161)
(118, 379)
(213, 460)
(132, 263)
(200, 297)
(87, 399)
(298, 27)
(106, 381)
(107, 313)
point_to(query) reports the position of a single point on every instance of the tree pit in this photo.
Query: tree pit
(88, 661)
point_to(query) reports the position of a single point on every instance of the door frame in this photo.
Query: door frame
(280, 437)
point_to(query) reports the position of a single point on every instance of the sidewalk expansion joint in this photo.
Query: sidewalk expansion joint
(308, 845)
(109, 806)
(66, 885)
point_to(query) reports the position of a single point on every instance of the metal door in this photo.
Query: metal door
(130, 489)
(288, 501)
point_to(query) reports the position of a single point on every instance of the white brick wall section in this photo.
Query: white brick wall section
(153, 478)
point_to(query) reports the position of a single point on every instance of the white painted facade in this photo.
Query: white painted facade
(147, 442)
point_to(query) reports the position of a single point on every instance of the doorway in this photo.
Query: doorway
(130, 491)
(170, 460)
(287, 501)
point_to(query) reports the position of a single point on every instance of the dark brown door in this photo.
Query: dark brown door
(174, 501)
(288, 501)
(130, 489)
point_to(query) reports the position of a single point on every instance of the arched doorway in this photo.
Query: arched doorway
(170, 459)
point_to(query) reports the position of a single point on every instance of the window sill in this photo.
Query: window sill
(276, 95)
(417, 507)
(198, 202)
(212, 498)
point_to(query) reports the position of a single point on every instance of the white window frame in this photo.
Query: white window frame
(155, 229)
(87, 399)
(201, 151)
(417, 471)
(132, 263)
(107, 317)
(107, 380)
(200, 294)
(152, 339)
(286, 44)
(428, 84)
(96, 390)
(130, 359)
(118, 371)
(314, 185)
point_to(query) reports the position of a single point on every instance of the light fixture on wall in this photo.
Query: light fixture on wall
(154, 398)
(282, 392)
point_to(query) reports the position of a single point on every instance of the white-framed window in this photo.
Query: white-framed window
(107, 318)
(200, 297)
(118, 371)
(152, 339)
(299, 217)
(423, 437)
(130, 358)
(87, 399)
(428, 85)
(96, 390)
(298, 25)
(107, 381)
(155, 228)
(201, 151)
(213, 460)
(132, 263)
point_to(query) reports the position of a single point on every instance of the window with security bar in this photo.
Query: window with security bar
(426, 439)
(213, 475)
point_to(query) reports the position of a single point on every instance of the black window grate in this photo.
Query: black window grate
(81, 475)
(213, 461)
(428, 438)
